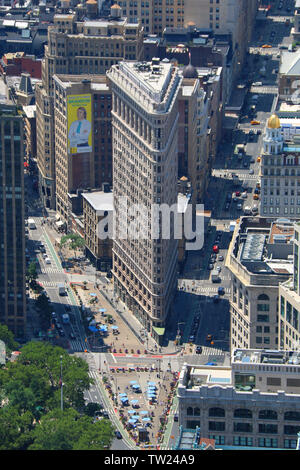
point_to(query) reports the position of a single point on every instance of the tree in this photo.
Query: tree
(67, 430)
(91, 408)
(73, 240)
(7, 336)
(45, 309)
(15, 429)
(32, 271)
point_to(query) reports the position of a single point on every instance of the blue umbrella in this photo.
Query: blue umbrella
(151, 383)
(132, 421)
(102, 310)
(122, 394)
(135, 386)
(146, 419)
(93, 295)
(133, 381)
(132, 412)
(143, 412)
(93, 329)
(134, 402)
(114, 327)
(124, 399)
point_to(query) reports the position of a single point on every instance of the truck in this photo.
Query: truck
(235, 180)
(31, 224)
(61, 289)
(215, 277)
(65, 318)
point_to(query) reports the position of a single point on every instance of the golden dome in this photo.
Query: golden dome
(273, 122)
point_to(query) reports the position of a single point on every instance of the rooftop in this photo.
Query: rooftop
(99, 200)
(265, 356)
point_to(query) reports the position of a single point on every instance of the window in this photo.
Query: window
(292, 415)
(217, 412)
(242, 413)
(242, 427)
(216, 426)
(267, 414)
(268, 428)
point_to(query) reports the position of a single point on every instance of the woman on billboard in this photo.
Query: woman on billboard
(79, 131)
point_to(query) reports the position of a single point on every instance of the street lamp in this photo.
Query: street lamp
(61, 386)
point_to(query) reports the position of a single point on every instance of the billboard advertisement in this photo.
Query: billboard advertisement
(79, 114)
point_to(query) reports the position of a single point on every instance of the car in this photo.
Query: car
(210, 266)
(213, 257)
(255, 123)
(47, 261)
(257, 83)
(53, 315)
(42, 249)
(221, 258)
(45, 256)
(238, 193)
(251, 171)
(258, 159)
(239, 206)
(244, 194)
(256, 191)
(118, 435)
(221, 290)
(191, 338)
(198, 350)
(255, 197)
(258, 131)
(215, 249)
(218, 268)
(209, 337)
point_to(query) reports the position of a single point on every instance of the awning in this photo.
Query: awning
(158, 331)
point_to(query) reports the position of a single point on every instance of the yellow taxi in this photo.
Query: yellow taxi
(258, 159)
(266, 46)
(255, 197)
(255, 123)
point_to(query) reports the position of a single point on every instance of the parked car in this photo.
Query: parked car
(198, 350)
(221, 258)
(118, 435)
(221, 290)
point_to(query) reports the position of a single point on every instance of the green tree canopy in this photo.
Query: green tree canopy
(7, 336)
(73, 241)
(67, 430)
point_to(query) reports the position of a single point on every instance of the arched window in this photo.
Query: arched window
(267, 414)
(196, 411)
(242, 413)
(217, 412)
(263, 297)
(292, 415)
(189, 411)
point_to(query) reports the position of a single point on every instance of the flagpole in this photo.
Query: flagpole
(61, 386)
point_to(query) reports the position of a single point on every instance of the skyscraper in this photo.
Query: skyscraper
(75, 46)
(145, 163)
(12, 232)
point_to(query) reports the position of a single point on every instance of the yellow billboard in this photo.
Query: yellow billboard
(79, 115)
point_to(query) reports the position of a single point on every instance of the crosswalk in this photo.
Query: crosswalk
(208, 351)
(51, 271)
